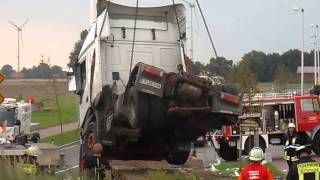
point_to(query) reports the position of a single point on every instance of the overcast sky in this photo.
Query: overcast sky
(237, 27)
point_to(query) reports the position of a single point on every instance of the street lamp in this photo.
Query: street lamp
(315, 59)
(317, 41)
(297, 9)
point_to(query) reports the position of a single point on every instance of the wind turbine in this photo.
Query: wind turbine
(19, 30)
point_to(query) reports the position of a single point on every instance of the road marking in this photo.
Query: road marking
(61, 171)
(69, 147)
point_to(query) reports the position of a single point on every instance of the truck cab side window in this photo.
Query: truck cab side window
(83, 74)
(81, 77)
(309, 105)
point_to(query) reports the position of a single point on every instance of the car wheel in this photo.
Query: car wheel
(316, 143)
(249, 144)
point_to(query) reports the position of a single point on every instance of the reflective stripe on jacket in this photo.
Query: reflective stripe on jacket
(304, 169)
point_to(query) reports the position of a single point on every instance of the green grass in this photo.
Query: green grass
(66, 138)
(69, 108)
(227, 168)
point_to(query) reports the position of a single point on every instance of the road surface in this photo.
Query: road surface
(207, 155)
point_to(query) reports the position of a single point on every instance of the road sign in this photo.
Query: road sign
(1, 79)
(1, 98)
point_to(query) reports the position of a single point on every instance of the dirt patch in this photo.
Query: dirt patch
(35, 88)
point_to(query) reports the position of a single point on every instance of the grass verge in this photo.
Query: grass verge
(66, 138)
(68, 110)
(160, 175)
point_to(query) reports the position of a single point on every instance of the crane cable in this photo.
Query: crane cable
(205, 23)
(134, 34)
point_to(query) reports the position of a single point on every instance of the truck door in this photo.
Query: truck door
(308, 113)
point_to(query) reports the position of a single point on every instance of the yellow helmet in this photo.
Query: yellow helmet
(32, 151)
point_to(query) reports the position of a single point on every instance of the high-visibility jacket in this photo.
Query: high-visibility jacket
(290, 154)
(257, 171)
(304, 169)
(30, 169)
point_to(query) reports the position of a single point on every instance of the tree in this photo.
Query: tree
(73, 57)
(219, 66)
(43, 71)
(57, 71)
(7, 70)
(283, 77)
(244, 79)
(196, 67)
(257, 62)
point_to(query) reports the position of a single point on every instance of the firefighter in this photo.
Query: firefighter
(305, 168)
(255, 170)
(30, 164)
(291, 139)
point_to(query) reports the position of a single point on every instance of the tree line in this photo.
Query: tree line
(42, 71)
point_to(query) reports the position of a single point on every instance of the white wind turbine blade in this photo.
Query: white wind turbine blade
(14, 24)
(25, 22)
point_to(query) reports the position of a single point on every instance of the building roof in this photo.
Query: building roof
(306, 69)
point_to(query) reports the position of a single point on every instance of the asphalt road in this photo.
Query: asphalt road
(71, 161)
(207, 154)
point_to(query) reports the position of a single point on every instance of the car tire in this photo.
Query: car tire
(228, 153)
(316, 144)
(249, 144)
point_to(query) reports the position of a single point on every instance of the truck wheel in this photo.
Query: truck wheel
(178, 157)
(82, 159)
(90, 138)
(228, 153)
(35, 137)
(316, 143)
(138, 108)
(249, 144)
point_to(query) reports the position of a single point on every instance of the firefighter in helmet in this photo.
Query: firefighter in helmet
(305, 168)
(291, 140)
(30, 164)
(255, 170)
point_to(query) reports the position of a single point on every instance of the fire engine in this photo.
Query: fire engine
(273, 112)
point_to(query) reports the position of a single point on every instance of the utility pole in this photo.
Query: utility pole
(302, 48)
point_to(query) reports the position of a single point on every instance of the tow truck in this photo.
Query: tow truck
(18, 134)
(15, 122)
(273, 112)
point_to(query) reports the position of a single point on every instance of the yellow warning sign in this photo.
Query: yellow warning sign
(2, 77)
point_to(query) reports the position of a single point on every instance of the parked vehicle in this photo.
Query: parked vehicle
(136, 98)
(15, 122)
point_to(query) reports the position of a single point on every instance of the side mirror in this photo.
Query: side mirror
(72, 83)
(115, 76)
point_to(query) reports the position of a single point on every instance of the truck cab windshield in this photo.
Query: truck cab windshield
(7, 114)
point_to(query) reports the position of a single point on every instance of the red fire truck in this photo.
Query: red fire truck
(273, 112)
